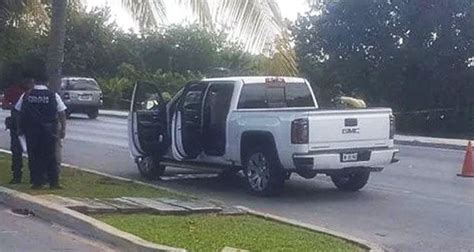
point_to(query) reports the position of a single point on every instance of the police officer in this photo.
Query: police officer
(40, 112)
(12, 95)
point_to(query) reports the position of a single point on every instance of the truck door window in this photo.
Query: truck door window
(192, 101)
(147, 98)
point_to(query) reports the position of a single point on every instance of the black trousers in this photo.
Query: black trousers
(41, 145)
(17, 158)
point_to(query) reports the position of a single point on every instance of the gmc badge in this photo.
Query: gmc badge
(351, 131)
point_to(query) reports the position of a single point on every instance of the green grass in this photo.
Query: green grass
(77, 183)
(214, 232)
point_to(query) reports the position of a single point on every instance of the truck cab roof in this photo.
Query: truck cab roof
(257, 79)
(77, 78)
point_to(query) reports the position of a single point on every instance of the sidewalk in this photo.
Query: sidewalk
(446, 143)
(29, 233)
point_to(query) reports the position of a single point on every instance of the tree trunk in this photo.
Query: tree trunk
(56, 44)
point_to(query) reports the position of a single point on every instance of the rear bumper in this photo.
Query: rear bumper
(81, 108)
(332, 160)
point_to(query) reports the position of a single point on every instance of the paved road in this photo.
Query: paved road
(27, 233)
(417, 205)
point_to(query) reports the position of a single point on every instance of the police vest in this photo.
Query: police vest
(39, 107)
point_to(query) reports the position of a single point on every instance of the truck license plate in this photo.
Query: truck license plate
(349, 157)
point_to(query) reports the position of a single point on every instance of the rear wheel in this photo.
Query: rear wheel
(93, 113)
(353, 181)
(264, 175)
(150, 168)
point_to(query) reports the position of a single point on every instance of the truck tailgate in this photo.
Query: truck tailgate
(349, 129)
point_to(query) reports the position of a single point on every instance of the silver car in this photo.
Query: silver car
(81, 95)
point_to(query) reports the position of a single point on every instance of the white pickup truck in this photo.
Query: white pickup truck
(269, 127)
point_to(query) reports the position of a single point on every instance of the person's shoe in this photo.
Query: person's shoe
(55, 187)
(15, 181)
(36, 187)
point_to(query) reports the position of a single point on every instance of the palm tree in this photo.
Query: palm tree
(255, 23)
(57, 36)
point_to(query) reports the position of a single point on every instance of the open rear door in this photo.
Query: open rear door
(148, 121)
(188, 121)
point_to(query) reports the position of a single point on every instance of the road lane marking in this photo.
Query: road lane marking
(388, 189)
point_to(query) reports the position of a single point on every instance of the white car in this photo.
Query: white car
(269, 127)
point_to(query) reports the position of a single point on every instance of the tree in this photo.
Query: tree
(90, 45)
(254, 22)
(410, 55)
(12, 10)
(395, 51)
(251, 22)
(57, 37)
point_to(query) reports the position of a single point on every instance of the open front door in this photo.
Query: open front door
(148, 122)
(188, 120)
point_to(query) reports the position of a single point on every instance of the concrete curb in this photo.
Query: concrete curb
(116, 114)
(372, 247)
(83, 224)
(431, 145)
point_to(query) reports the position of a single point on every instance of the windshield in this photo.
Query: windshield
(80, 84)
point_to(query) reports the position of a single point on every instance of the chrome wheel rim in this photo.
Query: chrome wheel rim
(258, 172)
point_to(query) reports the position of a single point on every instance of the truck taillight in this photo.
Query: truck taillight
(300, 131)
(392, 127)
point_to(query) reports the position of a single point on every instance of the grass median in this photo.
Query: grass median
(214, 232)
(78, 183)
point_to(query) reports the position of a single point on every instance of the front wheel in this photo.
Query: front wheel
(352, 182)
(150, 168)
(263, 173)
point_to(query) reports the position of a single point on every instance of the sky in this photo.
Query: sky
(289, 9)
